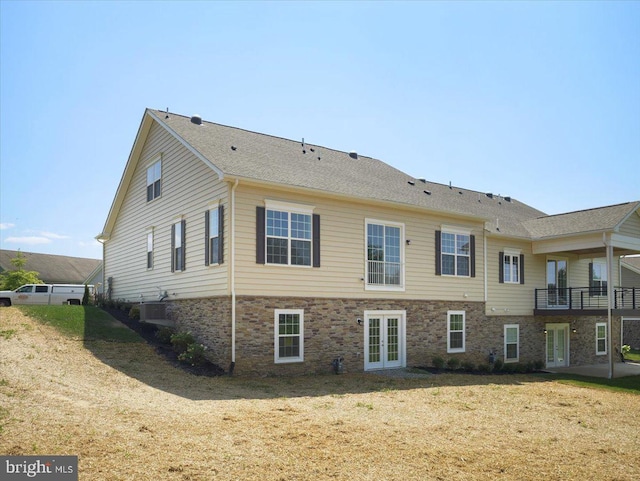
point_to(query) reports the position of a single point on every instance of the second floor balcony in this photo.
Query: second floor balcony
(587, 301)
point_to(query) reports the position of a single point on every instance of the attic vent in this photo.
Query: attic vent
(353, 154)
(428, 192)
(490, 195)
(233, 147)
(411, 182)
(196, 119)
(424, 181)
(508, 199)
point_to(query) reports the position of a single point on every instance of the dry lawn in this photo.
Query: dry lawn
(128, 415)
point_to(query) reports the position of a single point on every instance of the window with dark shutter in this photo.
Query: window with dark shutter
(260, 235)
(438, 253)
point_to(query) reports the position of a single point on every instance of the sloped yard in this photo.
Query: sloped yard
(130, 415)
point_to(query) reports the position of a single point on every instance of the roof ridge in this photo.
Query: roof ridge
(587, 210)
(259, 133)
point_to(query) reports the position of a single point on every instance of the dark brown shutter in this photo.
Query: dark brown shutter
(438, 253)
(501, 267)
(472, 259)
(260, 234)
(206, 237)
(316, 240)
(220, 234)
(591, 283)
(184, 244)
(521, 268)
(173, 247)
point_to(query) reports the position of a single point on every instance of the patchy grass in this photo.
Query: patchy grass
(86, 323)
(633, 355)
(629, 384)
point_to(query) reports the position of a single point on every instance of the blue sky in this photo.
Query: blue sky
(536, 100)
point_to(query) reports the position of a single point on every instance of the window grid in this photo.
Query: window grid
(384, 255)
(456, 254)
(288, 238)
(289, 336)
(154, 177)
(511, 343)
(511, 268)
(601, 338)
(150, 250)
(455, 331)
(214, 238)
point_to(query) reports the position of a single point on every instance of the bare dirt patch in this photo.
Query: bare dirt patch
(130, 415)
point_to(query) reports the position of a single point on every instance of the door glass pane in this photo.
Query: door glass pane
(560, 345)
(392, 339)
(551, 344)
(374, 340)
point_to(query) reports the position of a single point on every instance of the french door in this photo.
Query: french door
(557, 345)
(557, 296)
(384, 340)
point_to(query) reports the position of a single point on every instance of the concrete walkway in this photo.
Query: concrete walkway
(620, 369)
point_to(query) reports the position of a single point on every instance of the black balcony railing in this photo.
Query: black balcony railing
(586, 298)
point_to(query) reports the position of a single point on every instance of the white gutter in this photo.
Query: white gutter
(609, 251)
(232, 239)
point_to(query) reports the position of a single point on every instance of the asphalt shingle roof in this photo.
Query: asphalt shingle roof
(244, 154)
(52, 269)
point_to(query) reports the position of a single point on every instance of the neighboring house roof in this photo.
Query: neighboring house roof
(632, 263)
(235, 153)
(581, 222)
(53, 269)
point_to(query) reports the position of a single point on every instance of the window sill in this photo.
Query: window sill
(374, 287)
(289, 361)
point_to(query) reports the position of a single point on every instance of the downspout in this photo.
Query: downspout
(233, 276)
(484, 253)
(609, 251)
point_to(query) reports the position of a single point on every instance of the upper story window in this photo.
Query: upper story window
(511, 267)
(178, 241)
(214, 227)
(154, 178)
(287, 234)
(384, 254)
(455, 253)
(598, 278)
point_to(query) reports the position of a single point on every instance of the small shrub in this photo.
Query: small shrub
(484, 368)
(453, 363)
(538, 365)
(498, 365)
(85, 296)
(438, 362)
(163, 335)
(520, 368)
(509, 367)
(194, 355)
(468, 366)
(181, 340)
(530, 367)
(134, 313)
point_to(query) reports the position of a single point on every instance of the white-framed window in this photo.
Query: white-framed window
(154, 179)
(598, 280)
(455, 331)
(511, 267)
(178, 240)
(288, 234)
(511, 342)
(385, 255)
(601, 338)
(455, 252)
(213, 236)
(289, 335)
(150, 249)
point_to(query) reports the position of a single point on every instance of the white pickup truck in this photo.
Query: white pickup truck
(45, 294)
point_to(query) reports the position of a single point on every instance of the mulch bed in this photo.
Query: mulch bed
(148, 333)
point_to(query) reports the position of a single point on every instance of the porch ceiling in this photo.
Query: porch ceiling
(588, 245)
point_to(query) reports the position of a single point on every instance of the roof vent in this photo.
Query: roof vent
(233, 147)
(411, 182)
(490, 195)
(508, 199)
(424, 181)
(428, 192)
(353, 154)
(196, 119)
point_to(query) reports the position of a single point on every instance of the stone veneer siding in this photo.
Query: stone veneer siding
(631, 333)
(331, 330)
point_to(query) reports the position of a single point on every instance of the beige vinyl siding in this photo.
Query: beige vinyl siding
(188, 188)
(630, 278)
(512, 299)
(632, 225)
(342, 270)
